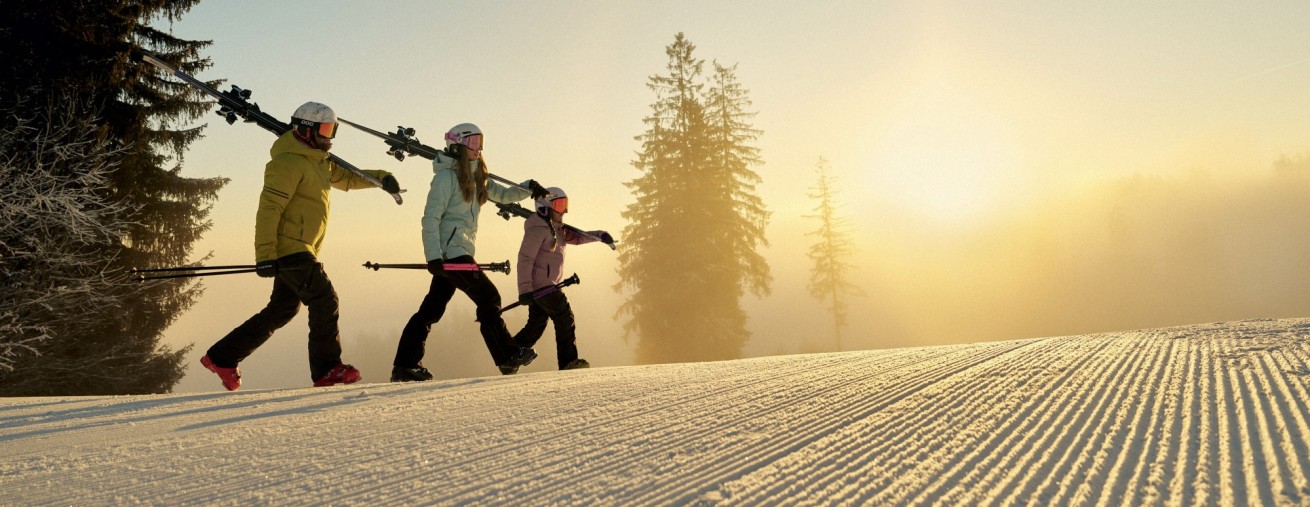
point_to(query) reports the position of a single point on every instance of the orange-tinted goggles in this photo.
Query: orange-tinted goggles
(560, 205)
(327, 130)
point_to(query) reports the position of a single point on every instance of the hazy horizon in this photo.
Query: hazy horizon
(1009, 170)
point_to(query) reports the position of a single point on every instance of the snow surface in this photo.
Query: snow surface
(1206, 414)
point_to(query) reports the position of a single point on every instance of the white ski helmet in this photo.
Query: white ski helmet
(318, 117)
(547, 202)
(311, 114)
(466, 134)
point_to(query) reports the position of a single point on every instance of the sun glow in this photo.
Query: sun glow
(944, 157)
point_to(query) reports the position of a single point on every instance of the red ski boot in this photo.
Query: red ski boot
(340, 374)
(231, 377)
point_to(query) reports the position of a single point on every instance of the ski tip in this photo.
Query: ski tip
(154, 60)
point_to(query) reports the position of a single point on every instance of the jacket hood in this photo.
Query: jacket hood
(444, 162)
(287, 143)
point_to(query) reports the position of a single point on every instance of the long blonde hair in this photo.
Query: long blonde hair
(471, 183)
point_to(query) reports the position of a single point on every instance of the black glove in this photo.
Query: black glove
(606, 238)
(266, 269)
(525, 298)
(390, 184)
(437, 267)
(538, 191)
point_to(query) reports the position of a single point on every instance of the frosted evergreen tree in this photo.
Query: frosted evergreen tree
(90, 53)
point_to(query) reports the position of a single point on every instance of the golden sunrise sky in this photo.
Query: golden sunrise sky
(985, 152)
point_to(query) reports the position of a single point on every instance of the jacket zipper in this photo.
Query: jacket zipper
(451, 237)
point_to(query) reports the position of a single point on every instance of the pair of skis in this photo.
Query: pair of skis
(402, 142)
(235, 103)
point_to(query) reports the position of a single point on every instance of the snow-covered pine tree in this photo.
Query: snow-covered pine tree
(690, 239)
(92, 51)
(53, 226)
(830, 274)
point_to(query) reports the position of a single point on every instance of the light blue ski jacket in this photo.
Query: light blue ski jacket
(450, 224)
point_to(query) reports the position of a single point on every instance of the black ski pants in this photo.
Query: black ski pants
(410, 350)
(553, 306)
(300, 280)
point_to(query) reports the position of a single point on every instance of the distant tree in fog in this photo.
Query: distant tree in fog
(689, 246)
(830, 274)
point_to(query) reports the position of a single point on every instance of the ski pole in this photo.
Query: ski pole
(192, 268)
(142, 278)
(208, 271)
(546, 291)
(502, 267)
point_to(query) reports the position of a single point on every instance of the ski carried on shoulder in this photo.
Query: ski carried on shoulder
(514, 209)
(235, 103)
(402, 142)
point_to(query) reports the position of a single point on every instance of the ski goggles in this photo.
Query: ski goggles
(472, 141)
(327, 130)
(560, 205)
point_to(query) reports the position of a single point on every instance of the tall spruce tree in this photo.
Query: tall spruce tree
(90, 52)
(690, 239)
(830, 274)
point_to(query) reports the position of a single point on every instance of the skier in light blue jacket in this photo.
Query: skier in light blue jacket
(460, 187)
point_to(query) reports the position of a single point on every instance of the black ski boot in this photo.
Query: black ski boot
(523, 358)
(576, 364)
(415, 374)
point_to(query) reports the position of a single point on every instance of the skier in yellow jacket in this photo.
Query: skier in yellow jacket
(289, 230)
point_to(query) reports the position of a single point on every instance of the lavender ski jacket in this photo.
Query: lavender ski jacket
(541, 256)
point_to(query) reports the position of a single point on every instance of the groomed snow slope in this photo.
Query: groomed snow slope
(1207, 414)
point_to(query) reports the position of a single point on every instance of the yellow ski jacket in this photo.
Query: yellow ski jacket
(293, 208)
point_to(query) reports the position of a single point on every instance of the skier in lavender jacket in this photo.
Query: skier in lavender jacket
(540, 264)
